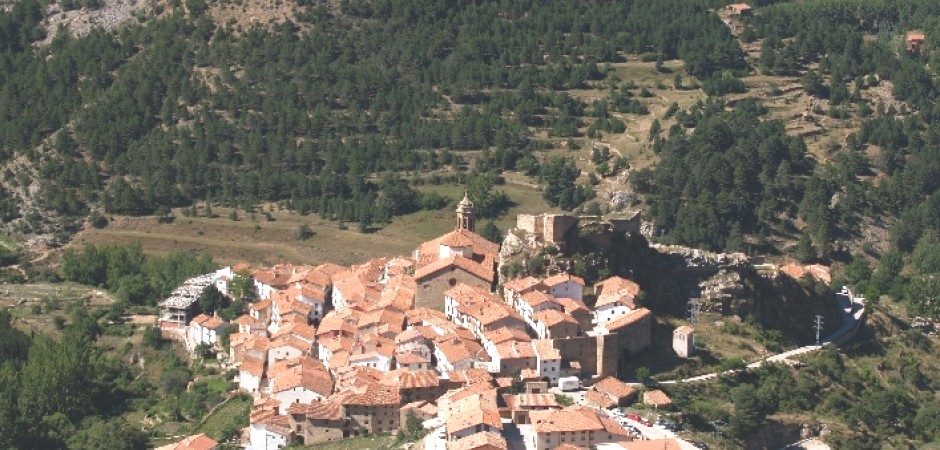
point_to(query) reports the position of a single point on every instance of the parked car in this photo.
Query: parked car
(700, 444)
(668, 424)
(638, 418)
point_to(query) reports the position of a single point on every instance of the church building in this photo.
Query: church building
(460, 256)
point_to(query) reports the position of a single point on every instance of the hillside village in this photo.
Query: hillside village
(332, 352)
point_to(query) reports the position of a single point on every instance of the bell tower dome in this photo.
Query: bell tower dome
(465, 220)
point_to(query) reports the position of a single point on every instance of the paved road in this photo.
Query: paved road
(853, 309)
(655, 432)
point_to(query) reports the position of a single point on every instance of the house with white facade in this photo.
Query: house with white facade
(565, 285)
(204, 329)
(302, 380)
(547, 360)
(250, 373)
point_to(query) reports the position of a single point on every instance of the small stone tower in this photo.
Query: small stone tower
(465, 214)
(683, 341)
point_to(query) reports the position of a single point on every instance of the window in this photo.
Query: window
(452, 281)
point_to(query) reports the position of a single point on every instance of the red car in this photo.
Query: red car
(637, 418)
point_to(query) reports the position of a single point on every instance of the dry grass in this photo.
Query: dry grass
(263, 242)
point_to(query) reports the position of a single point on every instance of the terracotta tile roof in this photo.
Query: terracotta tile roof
(515, 350)
(502, 335)
(338, 321)
(614, 387)
(456, 350)
(368, 394)
(280, 425)
(404, 379)
(544, 350)
(317, 410)
(479, 440)
(312, 292)
(685, 329)
(479, 244)
(261, 304)
(199, 320)
(339, 358)
(365, 356)
(394, 319)
(416, 334)
(519, 285)
(238, 339)
(405, 358)
(257, 343)
(599, 399)
(330, 269)
(473, 410)
(399, 298)
(529, 375)
(550, 317)
(565, 420)
(306, 376)
(334, 344)
(526, 401)
(317, 278)
(418, 315)
(656, 398)
(196, 442)
(465, 294)
(628, 319)
(616, 284)
(488, 313)
(571, 305)
(252, 366)
(555, 280)
(536, 298)
(479, 270)
(472, 376)
(296, 329)
(290, 341)
(612, 427)
(654, 444)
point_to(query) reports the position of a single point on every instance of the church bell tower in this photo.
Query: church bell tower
(465, 214)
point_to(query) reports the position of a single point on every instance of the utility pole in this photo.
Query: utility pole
(693, 311)
(819, 323)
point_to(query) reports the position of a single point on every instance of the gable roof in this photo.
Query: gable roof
(519, 285)
(536, 298)
(479, 270)
(656, 398)
(317, 410)
(551, 317)
(628, 319)
(565, 420)
(560, 278)
(614, 387)
(457, 238)
(195, 442)
(482, 439)
(473, 410)
(545, 350)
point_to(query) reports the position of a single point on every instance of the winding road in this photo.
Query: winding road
(853, 310)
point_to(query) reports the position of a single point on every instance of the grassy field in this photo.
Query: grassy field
(234, 413)
(262, 242)
(713, 345)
